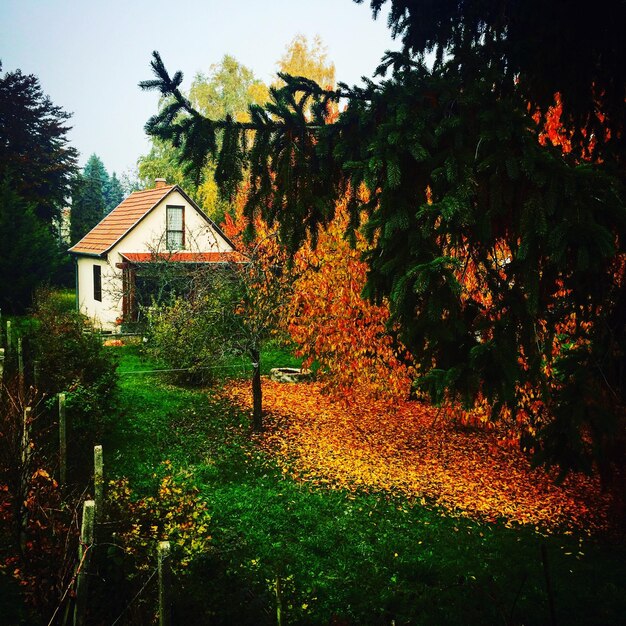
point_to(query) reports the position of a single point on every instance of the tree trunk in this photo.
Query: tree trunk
(257, 394)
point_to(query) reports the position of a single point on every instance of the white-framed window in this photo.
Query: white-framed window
(175, 228)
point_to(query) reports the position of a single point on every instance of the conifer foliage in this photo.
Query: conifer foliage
(95, 194)
(34, 148)
(500, 254)
(37, 165)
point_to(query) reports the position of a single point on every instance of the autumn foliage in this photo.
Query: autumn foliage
(411, 450)
(354, 438)
(333, 324)
(324, 312)
(174, 513)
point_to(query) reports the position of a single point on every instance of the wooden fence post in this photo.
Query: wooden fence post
(25, 474)
(26, 435)
(163, 554)
(279, 602)
(84, 558)
(20, 366)
(62, 441)
(98, 481)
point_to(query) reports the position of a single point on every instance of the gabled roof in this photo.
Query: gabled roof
(183, 257)
(125, 216)
(119, 221)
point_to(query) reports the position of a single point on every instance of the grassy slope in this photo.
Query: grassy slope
(365, 559)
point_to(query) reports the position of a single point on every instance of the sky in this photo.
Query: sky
(89, 55)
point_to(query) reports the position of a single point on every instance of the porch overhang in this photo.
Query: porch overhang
(191, 258)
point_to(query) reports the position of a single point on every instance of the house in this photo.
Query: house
(162, 224)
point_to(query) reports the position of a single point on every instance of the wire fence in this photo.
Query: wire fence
(136, 597)
(243, 366)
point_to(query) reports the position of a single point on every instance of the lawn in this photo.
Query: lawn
(343, 556)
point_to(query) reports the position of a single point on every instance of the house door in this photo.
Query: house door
(129, 304)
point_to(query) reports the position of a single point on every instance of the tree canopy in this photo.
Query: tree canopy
(227, 89)
(95, 194)
(532, 50)
(306, 59)
(35, 151)
(37, 165)
(30, 254)
(502, 255)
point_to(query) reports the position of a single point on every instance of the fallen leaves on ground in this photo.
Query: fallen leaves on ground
(410, 450)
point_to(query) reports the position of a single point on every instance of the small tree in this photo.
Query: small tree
(228, 309)
(333, 324)
(264, 278)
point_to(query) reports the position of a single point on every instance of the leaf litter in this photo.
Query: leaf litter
(407, 449)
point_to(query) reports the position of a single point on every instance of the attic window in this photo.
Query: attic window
(175, 228)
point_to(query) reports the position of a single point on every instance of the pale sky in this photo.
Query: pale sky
(89, 55)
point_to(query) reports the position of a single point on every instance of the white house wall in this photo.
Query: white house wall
(147, 236)
(103, 314)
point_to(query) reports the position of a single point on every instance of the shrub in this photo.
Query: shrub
(38, 531)
(198, 332)
(73, 360)
(172, 513)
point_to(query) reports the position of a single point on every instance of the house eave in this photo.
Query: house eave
(92, 255)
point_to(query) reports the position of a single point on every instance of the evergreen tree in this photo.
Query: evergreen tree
(113, 193)
(229, 88)
(29, 256)
(88, 199)
(34, 148)
(460, 184)
(94, 169)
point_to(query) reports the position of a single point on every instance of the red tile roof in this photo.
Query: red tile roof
(183, 257)
(119, 221)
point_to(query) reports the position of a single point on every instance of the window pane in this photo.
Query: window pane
(174, 218)
(174, 240)
(97, 283)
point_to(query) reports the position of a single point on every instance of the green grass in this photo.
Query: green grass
(23, 325)
(66, 298)
(365, 559)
